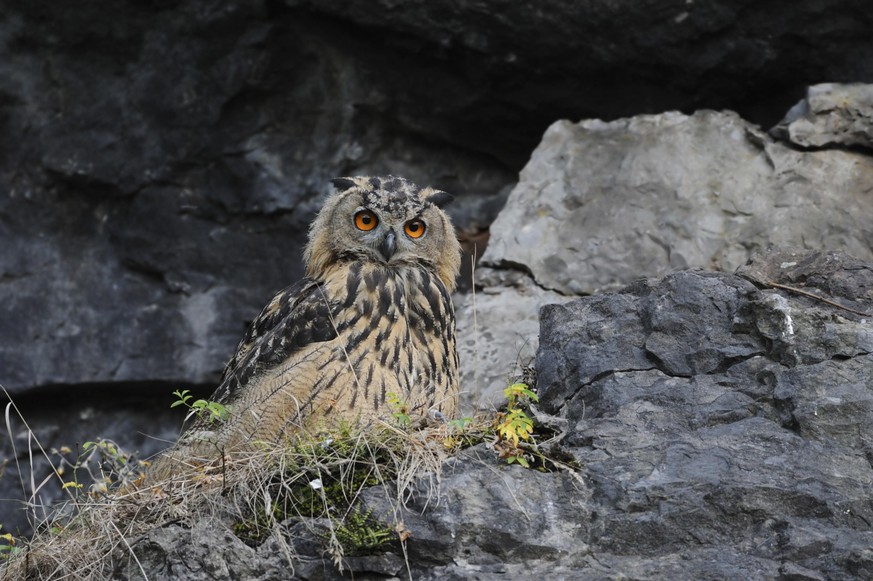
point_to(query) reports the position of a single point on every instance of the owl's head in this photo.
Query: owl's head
(387, 220)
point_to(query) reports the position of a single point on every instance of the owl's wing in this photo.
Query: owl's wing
(297, 316)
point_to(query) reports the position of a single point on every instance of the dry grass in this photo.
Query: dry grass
(315, 477)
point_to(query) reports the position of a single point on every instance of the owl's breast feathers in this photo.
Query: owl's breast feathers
(343, 344)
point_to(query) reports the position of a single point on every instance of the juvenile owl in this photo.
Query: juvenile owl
(373, 317)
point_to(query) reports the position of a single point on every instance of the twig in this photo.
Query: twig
(130, 550)
(14, 451)
(816, 297)
(475, 318)
(31, 437)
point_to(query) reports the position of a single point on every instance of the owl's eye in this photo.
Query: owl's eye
(414, 228)
(366, 220)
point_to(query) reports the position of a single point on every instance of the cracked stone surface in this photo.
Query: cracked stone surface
(712, 412)
(831, 114)
(164, 159)
(601, 204)
(497, 330)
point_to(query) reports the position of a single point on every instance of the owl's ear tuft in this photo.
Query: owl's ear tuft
(440, 199)
(343, 184)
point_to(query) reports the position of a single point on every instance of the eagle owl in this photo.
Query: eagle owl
(373, 317)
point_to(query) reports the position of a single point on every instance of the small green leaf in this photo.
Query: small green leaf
(533, 397)
(521, 460)
(460, 423)
(516, 390)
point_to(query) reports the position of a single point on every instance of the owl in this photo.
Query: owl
(371, 323)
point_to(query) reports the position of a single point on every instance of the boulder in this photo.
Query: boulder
(713, 413)
(830, 115)
(600, 204)
(497, 329)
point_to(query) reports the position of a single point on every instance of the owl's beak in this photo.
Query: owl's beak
(388, 245)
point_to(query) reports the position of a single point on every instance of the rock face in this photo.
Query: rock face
(159, 192)
(598, 59)
(831, 115)
(497, 335)
(159, 167)
(602, 204)
(713, 414)
(652, 194)
(160, 162)
(722, 429)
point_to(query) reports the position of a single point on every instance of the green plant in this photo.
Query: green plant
(359, 534)
(8, 546)
(104, 462)
(209, 411)
(514, 425)
(400, 411)
(459, 433)
(320, 476)
(460, 423)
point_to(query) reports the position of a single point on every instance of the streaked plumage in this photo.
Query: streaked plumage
(373, 317)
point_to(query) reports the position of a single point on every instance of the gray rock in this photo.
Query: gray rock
(830, 115)
(160, 166)
(206, 551)
(832, 275)
(161, 162)
(654, 194)
(601, 60)
(151, 179)
(497, 330)
(158, 192)
(720, 439)
(492, 520)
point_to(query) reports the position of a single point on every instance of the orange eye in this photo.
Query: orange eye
(414, 228)
(366, 220)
